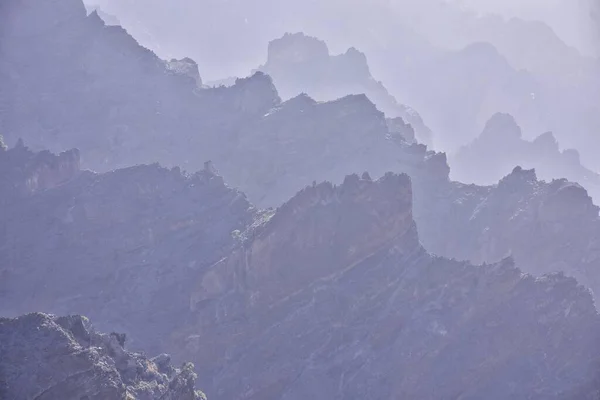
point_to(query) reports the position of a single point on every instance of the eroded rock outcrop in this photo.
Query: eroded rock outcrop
(47, 357)
(333, 297)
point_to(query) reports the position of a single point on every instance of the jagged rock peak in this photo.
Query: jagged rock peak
(519, 177)
(329, 227)
(547, 141)
(357, 102)
(355, 62)
(47, 357)
(386, 205)
(186, 67)
(95, 18)
(501, 126)
(326, 192)
(399, 128)
(567, 201)
(302, 101)
(256, 93)
(296, 48)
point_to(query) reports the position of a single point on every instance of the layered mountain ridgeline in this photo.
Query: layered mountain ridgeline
(501, 146)
(47, 357)
(242, 29)
(67, 80)
(130, 107)
(266, 148)
(183, 264)
(527, 43)
(275, 158)
(122, 247)
(121, 105)
(460, 90)
(456, 85)
(302, 64)
(334, 298)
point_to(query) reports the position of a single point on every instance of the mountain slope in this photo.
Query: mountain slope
(335, 298)
(120, 247)
(184, 264)
(302, 64)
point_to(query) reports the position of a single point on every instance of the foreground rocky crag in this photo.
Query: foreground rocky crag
(335, 298)
(122, 247)
(47, 357)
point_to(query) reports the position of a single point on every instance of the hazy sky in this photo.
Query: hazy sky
(570, 19)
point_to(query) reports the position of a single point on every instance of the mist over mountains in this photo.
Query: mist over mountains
(426, 53)
(291, 200)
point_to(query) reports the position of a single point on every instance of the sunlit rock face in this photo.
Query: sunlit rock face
(333, 297)
(47, 357)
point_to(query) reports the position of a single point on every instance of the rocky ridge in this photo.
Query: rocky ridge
(334, 297)
(75, 243)
(267, 148)
(47, 357)
(545, 226)
(302, 64)
(182, 264)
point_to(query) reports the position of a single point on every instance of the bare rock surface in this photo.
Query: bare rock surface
(47, 357)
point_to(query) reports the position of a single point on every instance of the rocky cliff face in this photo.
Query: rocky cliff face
(333, 297)
(501, 147)
(266, 148)
(303, 64)
(122, 247)
(546, 226)
(48, 357)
